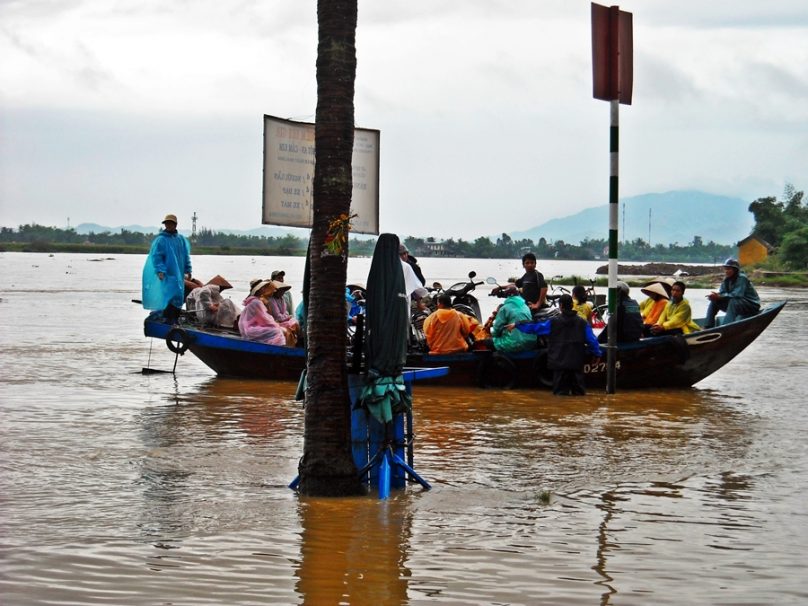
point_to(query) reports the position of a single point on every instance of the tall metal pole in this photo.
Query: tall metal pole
(614, 211)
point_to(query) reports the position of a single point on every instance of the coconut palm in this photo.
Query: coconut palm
(327, 468)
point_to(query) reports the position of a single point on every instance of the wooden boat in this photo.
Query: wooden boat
(665, 361)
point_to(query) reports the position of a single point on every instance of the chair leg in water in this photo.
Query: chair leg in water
(384, 477)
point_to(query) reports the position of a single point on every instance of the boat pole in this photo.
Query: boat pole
(614, 165)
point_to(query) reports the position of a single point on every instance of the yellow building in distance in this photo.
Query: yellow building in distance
(753, 249)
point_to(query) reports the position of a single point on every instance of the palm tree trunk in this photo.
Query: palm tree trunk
(327, 467)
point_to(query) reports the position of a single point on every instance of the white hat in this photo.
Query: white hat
(655, 288)
(257, 286)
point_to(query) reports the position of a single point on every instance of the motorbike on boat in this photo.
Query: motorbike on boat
(505, 291)
(462, 300)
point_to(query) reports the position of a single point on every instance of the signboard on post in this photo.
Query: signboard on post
(612, 81)
(289, 175)
(612, 54)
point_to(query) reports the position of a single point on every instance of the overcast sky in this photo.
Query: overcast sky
(119, 111)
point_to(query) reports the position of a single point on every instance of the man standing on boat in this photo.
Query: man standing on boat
(406, 257)
(167, 267)
(532, 285)
(736, 296)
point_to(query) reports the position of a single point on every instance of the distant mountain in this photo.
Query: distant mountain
(675, 216)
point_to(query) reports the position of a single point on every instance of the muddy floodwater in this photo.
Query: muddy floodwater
(123, 488)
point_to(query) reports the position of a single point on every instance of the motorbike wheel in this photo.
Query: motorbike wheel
(497, 371)
(542, 374)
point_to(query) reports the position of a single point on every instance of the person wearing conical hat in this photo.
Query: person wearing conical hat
(255, 323)
(209, 307)
(652, 307)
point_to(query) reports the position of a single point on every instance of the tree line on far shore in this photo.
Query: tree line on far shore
(783, 224)
(39, 238)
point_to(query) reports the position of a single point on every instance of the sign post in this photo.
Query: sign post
(612, 77)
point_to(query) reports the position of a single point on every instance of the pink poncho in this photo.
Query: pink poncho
(255, 323)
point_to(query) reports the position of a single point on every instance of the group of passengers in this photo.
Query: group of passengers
(269, 317)
(513, 326)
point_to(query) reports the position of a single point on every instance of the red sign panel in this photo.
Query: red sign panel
(612, 54)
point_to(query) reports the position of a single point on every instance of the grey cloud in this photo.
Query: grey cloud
(656, 78)
(775, 79)
(723, 13)
(90, 75)
(25, 47)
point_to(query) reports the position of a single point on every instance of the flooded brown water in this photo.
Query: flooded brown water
(120, 488)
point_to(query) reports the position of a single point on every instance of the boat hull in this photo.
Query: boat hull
(231, 356)
(666, 361)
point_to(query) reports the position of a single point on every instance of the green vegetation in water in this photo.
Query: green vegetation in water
(544, 497)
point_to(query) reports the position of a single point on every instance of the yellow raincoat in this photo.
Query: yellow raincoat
(678, 315)
(652, 310)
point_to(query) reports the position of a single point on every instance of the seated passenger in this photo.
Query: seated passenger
(736, 296)
(580, 305)
(278, 275)
(352, 305)
(676, 318)
(513, 311)
(447, 330)
(192, 284)
(255, 322)
(300, 316)
(627, 318)
(419, 307)
(652, 307)
(209, 307)
(276, 306)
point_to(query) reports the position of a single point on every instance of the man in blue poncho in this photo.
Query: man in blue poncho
(167, 267)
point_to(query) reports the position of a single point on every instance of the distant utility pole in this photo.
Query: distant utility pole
(193, 228)
(649, 227)
(625, 238)
(68, 223)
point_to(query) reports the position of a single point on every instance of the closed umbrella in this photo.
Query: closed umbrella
(387, 329)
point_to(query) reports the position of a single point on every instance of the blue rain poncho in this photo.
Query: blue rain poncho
(170, 254)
